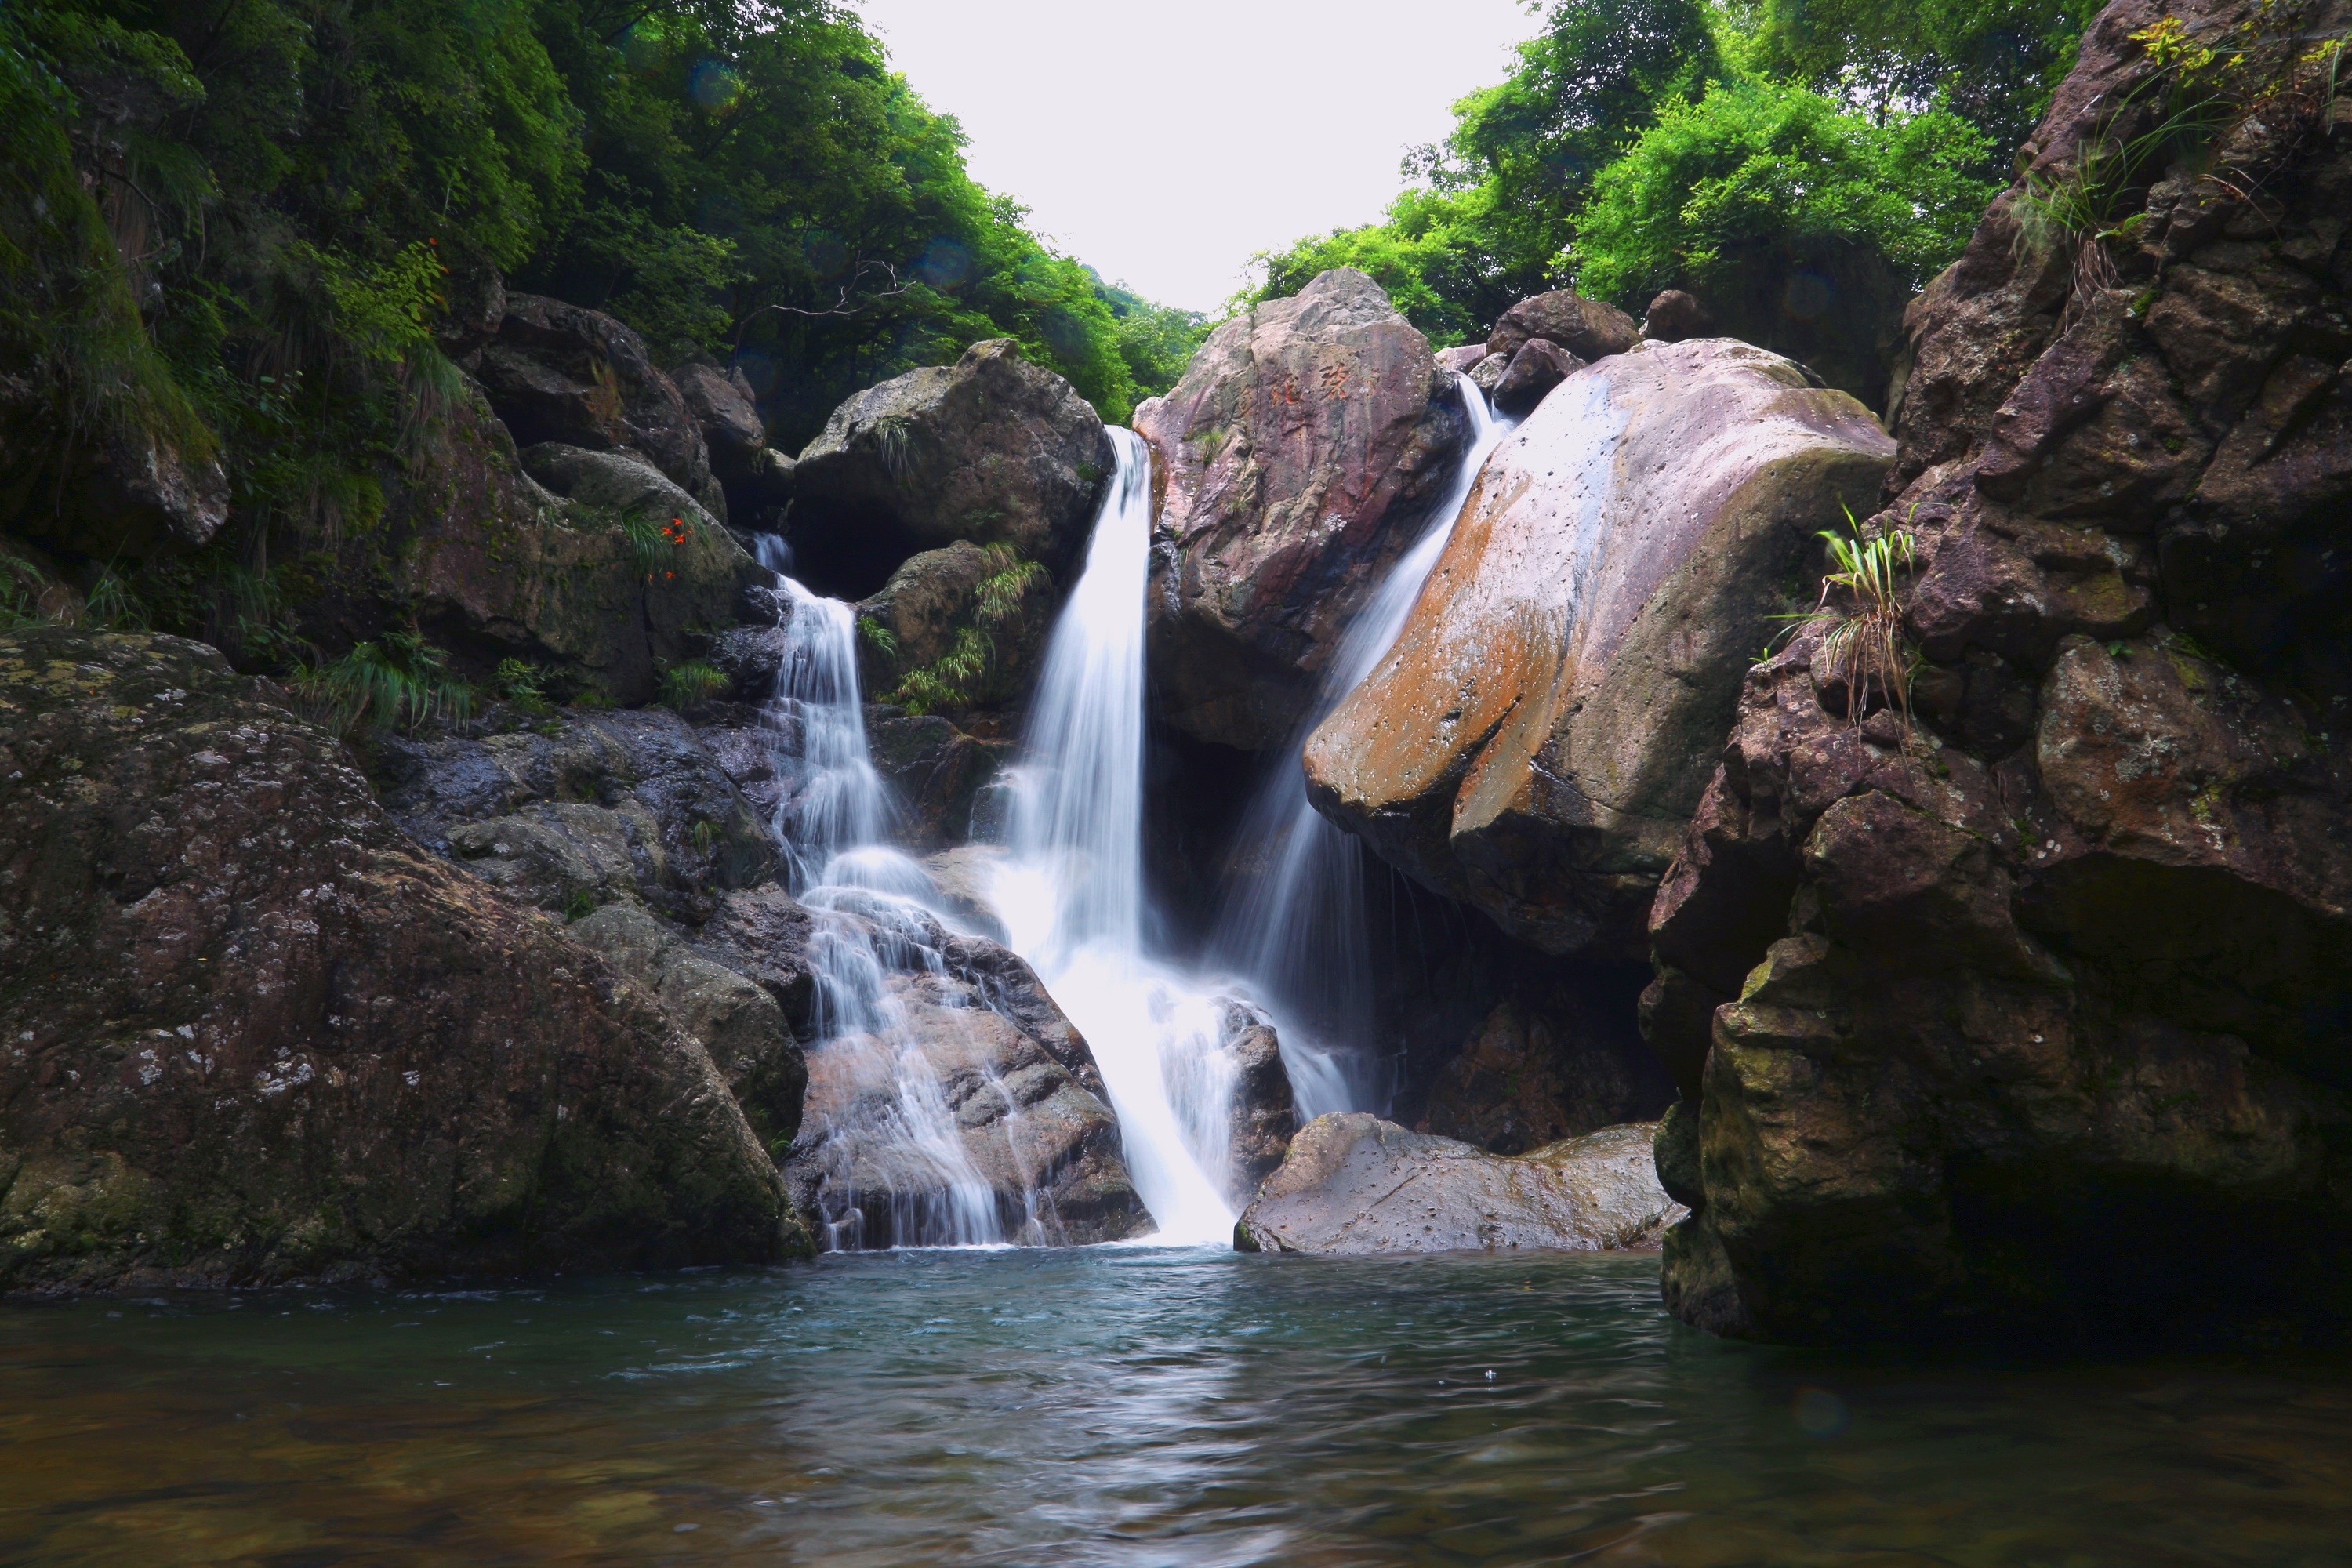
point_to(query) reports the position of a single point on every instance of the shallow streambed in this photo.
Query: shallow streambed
(1126, 1406)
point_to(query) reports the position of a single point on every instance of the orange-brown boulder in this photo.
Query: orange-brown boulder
(1546, 724)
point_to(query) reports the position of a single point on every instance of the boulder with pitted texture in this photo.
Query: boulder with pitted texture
(1298, 457)
(1544, 725)
(254, 1035)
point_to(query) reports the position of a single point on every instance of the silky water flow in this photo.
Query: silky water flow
(1068, 887)
(1293, 930)
(897, 1173)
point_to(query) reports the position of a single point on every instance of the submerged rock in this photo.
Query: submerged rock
(1546, 723)
(1297, 457)
(2025, 1017)
(1354, 1184)
(993, 450)
(254, 1037)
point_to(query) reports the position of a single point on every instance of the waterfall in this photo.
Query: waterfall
(831, 821)
(1295, 929)
(1070, 890)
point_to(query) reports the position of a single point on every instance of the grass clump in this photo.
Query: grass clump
(395, 682)
(691, 684)
(1864, 641)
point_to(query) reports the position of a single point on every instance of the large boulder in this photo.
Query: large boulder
(1533, 371)
(1547, 721)
(1298, 457)
(562, 372)
(991, 449)
(1999, 1016)
(734, 1018)
(1354, 1184)
(1262, 1117)
(1589, 328)
(254, 1035)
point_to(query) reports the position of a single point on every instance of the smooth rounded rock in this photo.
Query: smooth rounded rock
(1354, 1184)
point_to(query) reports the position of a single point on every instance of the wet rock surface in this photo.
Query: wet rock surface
(1547, 721)
(945, 1015)
(1263, 1117)
(582, 809)
(992, 451)
(1999, 1017)
(1354, 1184)
(1296, 459)
(255, 1035)
(961, 628)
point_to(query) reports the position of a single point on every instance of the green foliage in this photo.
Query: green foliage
(1993, 62)
(22, 588)
(1498, 197)
(1156, 340)
(397, 681)
(684, 686)
(522, 683)
(1809, 122)
(1758, 167)
(883, 639)
(251, 263)
(1864, 640)
(2202, 86)
(655, 541)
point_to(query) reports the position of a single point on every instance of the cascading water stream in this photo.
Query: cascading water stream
(831, 823)
(1295, 933)
(1071, 890)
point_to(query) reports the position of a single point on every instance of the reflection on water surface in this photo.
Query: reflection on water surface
(1119, 1406)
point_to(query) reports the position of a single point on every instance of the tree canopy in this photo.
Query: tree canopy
(1755, 153)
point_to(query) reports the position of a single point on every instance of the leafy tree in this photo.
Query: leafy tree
(1762, 166)
(1993, 62)
(1486, 226)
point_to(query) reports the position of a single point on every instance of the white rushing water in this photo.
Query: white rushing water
(1295, 930)
(833, 820)
(1071, 888)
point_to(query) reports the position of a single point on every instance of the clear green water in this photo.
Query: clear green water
(1129, 1407)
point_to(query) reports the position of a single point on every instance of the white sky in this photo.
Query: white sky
(1165, 143)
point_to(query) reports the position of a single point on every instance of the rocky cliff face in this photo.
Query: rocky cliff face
(1298, 457)
(253, 1035)
(1548, 718)
(2027, 1012)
